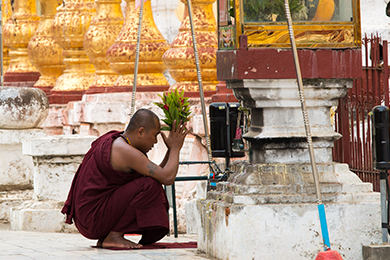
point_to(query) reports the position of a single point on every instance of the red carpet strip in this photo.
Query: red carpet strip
(159, 246)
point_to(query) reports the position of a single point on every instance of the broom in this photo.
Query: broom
(328, 254)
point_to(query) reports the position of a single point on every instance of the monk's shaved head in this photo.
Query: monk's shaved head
(143, 118)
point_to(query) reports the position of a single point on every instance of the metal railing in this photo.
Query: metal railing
(352, 118)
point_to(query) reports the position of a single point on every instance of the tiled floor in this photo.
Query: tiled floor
(23, 245)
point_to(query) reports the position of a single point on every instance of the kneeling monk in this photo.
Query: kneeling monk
(117, 189)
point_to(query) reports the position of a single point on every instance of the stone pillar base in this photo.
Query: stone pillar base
(11, 199)
(377, 252)
(56, 159)
(16, 169)
(280, 221)
(40, 216)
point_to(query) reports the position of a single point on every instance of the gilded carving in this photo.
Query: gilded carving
(44, 53)
(69, 26)
(180, 58)
(6, 14)
(152, 47)
(17, 33)
(101, 34)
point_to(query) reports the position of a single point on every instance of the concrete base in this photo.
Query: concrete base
(56, 159)
(283, 231)
(11, 199)
(191, 211)
(53, 176)
(40, 216)
(376, 252)
(16, 169)
(277, 221)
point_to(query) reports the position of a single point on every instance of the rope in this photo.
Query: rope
(137, 59)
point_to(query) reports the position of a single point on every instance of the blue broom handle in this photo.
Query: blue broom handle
(324, 226)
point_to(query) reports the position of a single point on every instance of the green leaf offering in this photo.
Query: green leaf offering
(175, 107)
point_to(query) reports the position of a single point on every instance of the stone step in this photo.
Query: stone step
(364, 197)
(278, 189)
(43, 216)
(10, 199)
(269, 198)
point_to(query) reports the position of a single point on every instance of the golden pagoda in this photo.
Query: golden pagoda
(44, 53)
(69, 26)
(180, 58)
(101, 34)
(152, 47)
(17, 33)
(6, 14)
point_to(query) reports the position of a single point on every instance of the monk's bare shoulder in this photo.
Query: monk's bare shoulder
(125, 157)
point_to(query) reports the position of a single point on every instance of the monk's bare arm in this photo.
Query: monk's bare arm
(165, 160)
(126, 158)
(165, 175)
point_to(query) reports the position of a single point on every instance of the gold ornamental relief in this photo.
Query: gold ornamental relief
(71, 22)
(6, 14)
(69, 27)
(314, 36)
(203, 16)
(317, 24)
(180, 58)
(101, 34)
(43, 52)
(122, 53)
(17, 33)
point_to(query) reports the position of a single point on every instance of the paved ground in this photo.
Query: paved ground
(23, 245)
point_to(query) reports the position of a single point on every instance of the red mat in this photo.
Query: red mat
(159, 246)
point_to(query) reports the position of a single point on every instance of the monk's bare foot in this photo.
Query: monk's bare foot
(116, 239)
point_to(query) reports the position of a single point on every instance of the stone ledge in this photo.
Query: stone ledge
(16, 136)
(279, 189)
(64, 145)
(40, 216)
(284, 173)
(376, 252)
(257, 199)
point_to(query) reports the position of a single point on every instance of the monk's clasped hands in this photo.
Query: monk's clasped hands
(176, 135)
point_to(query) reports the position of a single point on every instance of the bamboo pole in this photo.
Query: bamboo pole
(321, 208)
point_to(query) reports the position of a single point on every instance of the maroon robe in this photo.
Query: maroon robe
(102, 199)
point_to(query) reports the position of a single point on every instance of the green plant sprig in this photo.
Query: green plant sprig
(175, 107)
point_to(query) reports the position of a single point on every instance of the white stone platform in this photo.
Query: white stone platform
(279, 220)
(16, 169)
(56, 159)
